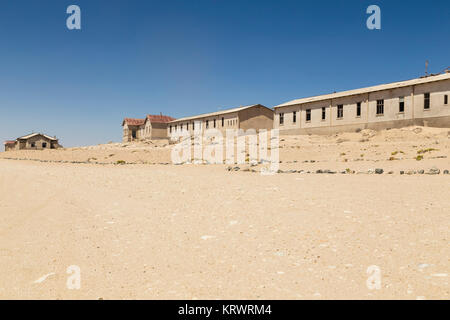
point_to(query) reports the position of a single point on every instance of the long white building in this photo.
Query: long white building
(423, 101)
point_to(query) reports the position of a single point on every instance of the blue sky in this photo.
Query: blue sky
(186, 57)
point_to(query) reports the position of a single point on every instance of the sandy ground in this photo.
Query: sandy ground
(144, 231)
(392, 150)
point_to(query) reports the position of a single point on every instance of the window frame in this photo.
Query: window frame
(340, 111)
(294, 116)
(324, 113)
(401, 104)
(426, 101)
(308, 116)
(281, 120)
(358, 109)
(380, 106)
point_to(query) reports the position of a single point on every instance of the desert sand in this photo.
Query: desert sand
(152, 230)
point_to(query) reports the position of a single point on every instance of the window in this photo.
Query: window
(170, 129)
(401, 104)
(44, 144)
(214, 123)
(358, 109)
(380, 107)
(446, 99)
(426, 101)
(294, 117)
(133, 134)
(207, 124)
(340, 111)
(223, 121)
(308, 115)
(281, 118)
(33, 145)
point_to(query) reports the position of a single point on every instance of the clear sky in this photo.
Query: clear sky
(186, 57)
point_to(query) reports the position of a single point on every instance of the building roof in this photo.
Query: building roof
(381, 87)
(159, 118)
(133, 121)
(37, 134)
(9, 142)
(205, 115)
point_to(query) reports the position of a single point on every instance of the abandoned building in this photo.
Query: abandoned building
(255, 117)
(150, 128)
(34, 141)
(423, 101)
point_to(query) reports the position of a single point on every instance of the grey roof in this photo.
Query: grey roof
(37, 134)
(381, 87)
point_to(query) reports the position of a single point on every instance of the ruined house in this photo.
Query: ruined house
(150, 128)
(34, 141)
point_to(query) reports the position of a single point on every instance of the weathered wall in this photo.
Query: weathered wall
(9, 147)
(257, 117)
(147, 130)
(128, 133)
(158, 131)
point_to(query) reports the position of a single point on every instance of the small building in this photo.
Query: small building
(423, 101)
(255, 117)
(34, 141)
(150, 128)
(131, 128)
(10, 145)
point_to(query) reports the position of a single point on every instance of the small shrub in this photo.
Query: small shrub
(419, 157)
(120, 162)
(423, 151)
